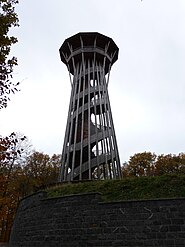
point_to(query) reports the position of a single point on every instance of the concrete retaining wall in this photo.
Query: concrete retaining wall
(83, 220)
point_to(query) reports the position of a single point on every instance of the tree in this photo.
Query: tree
(140, 164)
(22, 172)
(41, 170)
(10, 152)
(8, 19)
(149, 164)
(168, 164)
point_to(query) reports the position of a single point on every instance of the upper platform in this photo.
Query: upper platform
(89, 46)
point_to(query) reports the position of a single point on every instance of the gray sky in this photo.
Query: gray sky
(147, 83)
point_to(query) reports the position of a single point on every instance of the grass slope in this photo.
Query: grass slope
(167, 186)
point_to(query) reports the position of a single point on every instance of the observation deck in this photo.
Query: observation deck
(92, 45)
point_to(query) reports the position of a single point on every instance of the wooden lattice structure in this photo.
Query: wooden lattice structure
(90, 148)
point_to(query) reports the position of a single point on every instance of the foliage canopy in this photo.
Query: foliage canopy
(8, 19)
(149, 164)
(22, 171)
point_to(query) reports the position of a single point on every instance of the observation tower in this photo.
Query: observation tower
(90, 148)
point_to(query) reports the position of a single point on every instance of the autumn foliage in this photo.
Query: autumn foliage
(8, 19)
(21, 175)
(149, 164)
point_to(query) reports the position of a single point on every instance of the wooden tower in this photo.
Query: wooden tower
(90, 148)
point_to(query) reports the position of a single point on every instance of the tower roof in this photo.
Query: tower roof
(88, 42)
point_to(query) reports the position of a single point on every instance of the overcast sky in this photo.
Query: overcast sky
(147, 83)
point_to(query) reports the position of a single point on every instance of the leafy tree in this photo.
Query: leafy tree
(41, 170)
(125, 170)
(149, 164)
(10, 152)
(9, 149)
(140, 164)
(8, 19)
(168, 164)
(21, 173)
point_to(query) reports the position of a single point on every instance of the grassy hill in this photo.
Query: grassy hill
(167, 186)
